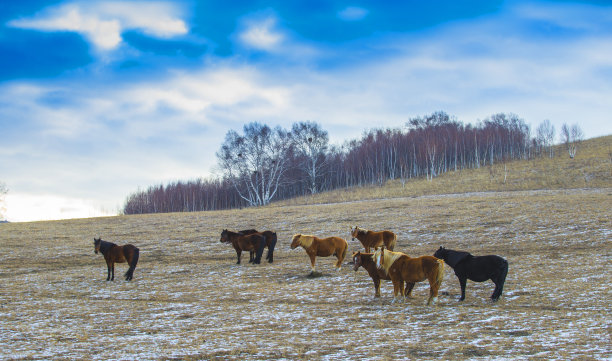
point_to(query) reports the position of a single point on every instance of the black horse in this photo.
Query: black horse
(476, 268)
(270, 243)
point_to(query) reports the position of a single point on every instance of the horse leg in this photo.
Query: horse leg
(401, 290)
(462, 283)
(251, 256)
(108, 271)
(312, 263)
(112, 271)
(238, 254)
(499, 282)
(409, 287)
(433, 291)
(396, 288)
(376, 287)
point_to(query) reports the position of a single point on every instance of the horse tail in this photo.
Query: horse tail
(271, 241)
(130, 272)
(440, 273)
(393, 242)
(259, 251)
(345, 249)
(499, 285)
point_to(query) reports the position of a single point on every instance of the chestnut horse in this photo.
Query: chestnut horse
(245, 242)
(322, 247)
(372, 239)
(366, 261)
(117, 254)
(270, 243)
(402, 268)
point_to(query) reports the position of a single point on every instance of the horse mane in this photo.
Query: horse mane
(388, 260)
(105, 246)
(305, 240)
(361, 230)
(454, 257)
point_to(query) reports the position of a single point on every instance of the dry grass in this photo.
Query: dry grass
(190, 301)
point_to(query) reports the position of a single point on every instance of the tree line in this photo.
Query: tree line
(264, 164)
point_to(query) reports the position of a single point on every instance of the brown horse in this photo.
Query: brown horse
(322, 247)
(270, 243)
(117, 254)
(402, 268)
(372, 239)
(366, 261)
(245, 242)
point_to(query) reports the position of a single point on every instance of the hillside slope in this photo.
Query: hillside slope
(591, 168)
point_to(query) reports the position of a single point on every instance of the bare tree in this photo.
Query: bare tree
(545, 136)
(255, 162)
(3, 192)
(571, 137)
(310, 142)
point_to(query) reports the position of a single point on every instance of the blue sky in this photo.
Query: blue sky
(99, 98)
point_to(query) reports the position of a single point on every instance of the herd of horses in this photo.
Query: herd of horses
(381, 264)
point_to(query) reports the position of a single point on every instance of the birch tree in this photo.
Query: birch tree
(256, 161)
(311, 143)
(571, 136)
(546, 136)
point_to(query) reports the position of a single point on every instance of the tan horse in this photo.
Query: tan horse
(321, 247)
(402, 268)
(372, 239)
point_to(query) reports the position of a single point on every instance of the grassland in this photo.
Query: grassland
(190, 301)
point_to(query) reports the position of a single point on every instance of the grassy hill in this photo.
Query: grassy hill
(189, 300)
(591, 168)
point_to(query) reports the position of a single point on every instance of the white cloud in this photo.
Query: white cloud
(262, 34)
(353, 13)
(28, 207)
(103, 23)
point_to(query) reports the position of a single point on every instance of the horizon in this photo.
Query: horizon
(101, 98)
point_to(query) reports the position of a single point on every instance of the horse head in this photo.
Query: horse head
(379, 257)
(356, 260)
(441, 253)
(224, 236)
(296, 241)
(97, 242)
(357, 231)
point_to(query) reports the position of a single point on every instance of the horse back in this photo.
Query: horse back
(415, 269)
(116, 254)
(482, 268)
(328, 246)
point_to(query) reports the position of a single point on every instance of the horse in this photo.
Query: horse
(366, 261)
(476, 268)
(117, 254)
(372, 239)
(402, 268)
(322, 247)
(270, 243)
(245, 242)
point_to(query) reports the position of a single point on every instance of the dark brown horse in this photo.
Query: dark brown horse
(245, 242)
(321, 247)
(117, 254)
(366, 261)
(372, 239)
(403, 268)
(270, 243)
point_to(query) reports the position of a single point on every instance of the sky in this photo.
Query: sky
(99, 99)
